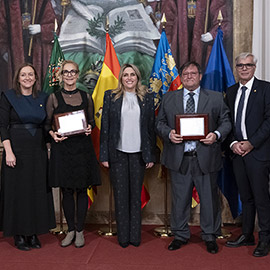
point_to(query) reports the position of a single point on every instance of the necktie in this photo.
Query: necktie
(238, 119)
(190, 106)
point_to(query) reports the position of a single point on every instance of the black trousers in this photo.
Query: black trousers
(70, 208)
(127, 178)
(252, 177)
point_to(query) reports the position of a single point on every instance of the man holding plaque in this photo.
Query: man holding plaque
(193, 159)
(249, 103)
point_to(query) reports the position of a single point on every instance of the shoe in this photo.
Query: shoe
(176, 244)
(135, 244)
(262, 249)
(242, 240)
(212, 246)
(33, 241)
(79, 240)
(68, 239)
(20, 243)
(124, 245)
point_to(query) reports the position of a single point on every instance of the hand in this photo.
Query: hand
(236, 148)
(174, 137)
(206, 37)
(246, 146)
(57, 136)
(10, 160)
(209, 139)
(88, 130)
(148, 10)
(149, 165)
(34, 29)
(105, 164)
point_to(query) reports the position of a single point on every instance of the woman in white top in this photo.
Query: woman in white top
(127, 147)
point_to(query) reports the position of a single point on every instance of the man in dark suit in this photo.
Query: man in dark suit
(249, 103)
(193, 162)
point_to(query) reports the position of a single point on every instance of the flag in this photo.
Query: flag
(91, 191)
(218, 76)
(108, 79)
(51, 82)
(164, 76)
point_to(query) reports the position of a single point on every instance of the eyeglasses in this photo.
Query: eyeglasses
(192, 74)
(72, 72)
(247, 66)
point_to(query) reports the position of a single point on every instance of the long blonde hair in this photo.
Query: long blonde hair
(139, 89)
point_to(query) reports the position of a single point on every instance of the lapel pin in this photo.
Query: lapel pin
(254, 90)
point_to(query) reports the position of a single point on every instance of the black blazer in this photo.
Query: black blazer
(110, 127)
(257, 117)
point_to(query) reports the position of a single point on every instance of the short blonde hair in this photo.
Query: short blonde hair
(60, 72)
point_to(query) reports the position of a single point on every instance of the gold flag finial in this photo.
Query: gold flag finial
(107, 24)
(163, 20)
(220, 17)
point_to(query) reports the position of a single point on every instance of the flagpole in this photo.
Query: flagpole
(110, 230)
(164, 231)
(60, 228)
(33, 22)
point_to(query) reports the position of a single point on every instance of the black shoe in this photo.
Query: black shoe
(211, 246)
(242, 240)
(176, 244)
(135, 244)
(124, 245)
(20, 243)
(33, 241)
(262, 249)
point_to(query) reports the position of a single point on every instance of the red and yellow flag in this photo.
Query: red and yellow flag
(108, 79)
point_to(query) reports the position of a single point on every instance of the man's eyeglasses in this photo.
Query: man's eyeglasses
(72, 72)
(192, 74)
(247, 66)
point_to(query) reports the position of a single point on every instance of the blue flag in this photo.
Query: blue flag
(164, 76)
(218, 76)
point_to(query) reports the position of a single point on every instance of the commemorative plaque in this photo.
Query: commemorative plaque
(192, 126)
(70, 123)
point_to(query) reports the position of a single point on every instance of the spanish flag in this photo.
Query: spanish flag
(108, 79)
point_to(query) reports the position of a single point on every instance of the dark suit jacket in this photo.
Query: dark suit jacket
(110, 127)
(209, 156)
(257, 117)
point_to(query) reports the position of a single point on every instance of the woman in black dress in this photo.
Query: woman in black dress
(127, 147)
(26, 208)
(73, 164)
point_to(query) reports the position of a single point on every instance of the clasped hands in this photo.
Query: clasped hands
(176, 138)
(242, 148)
